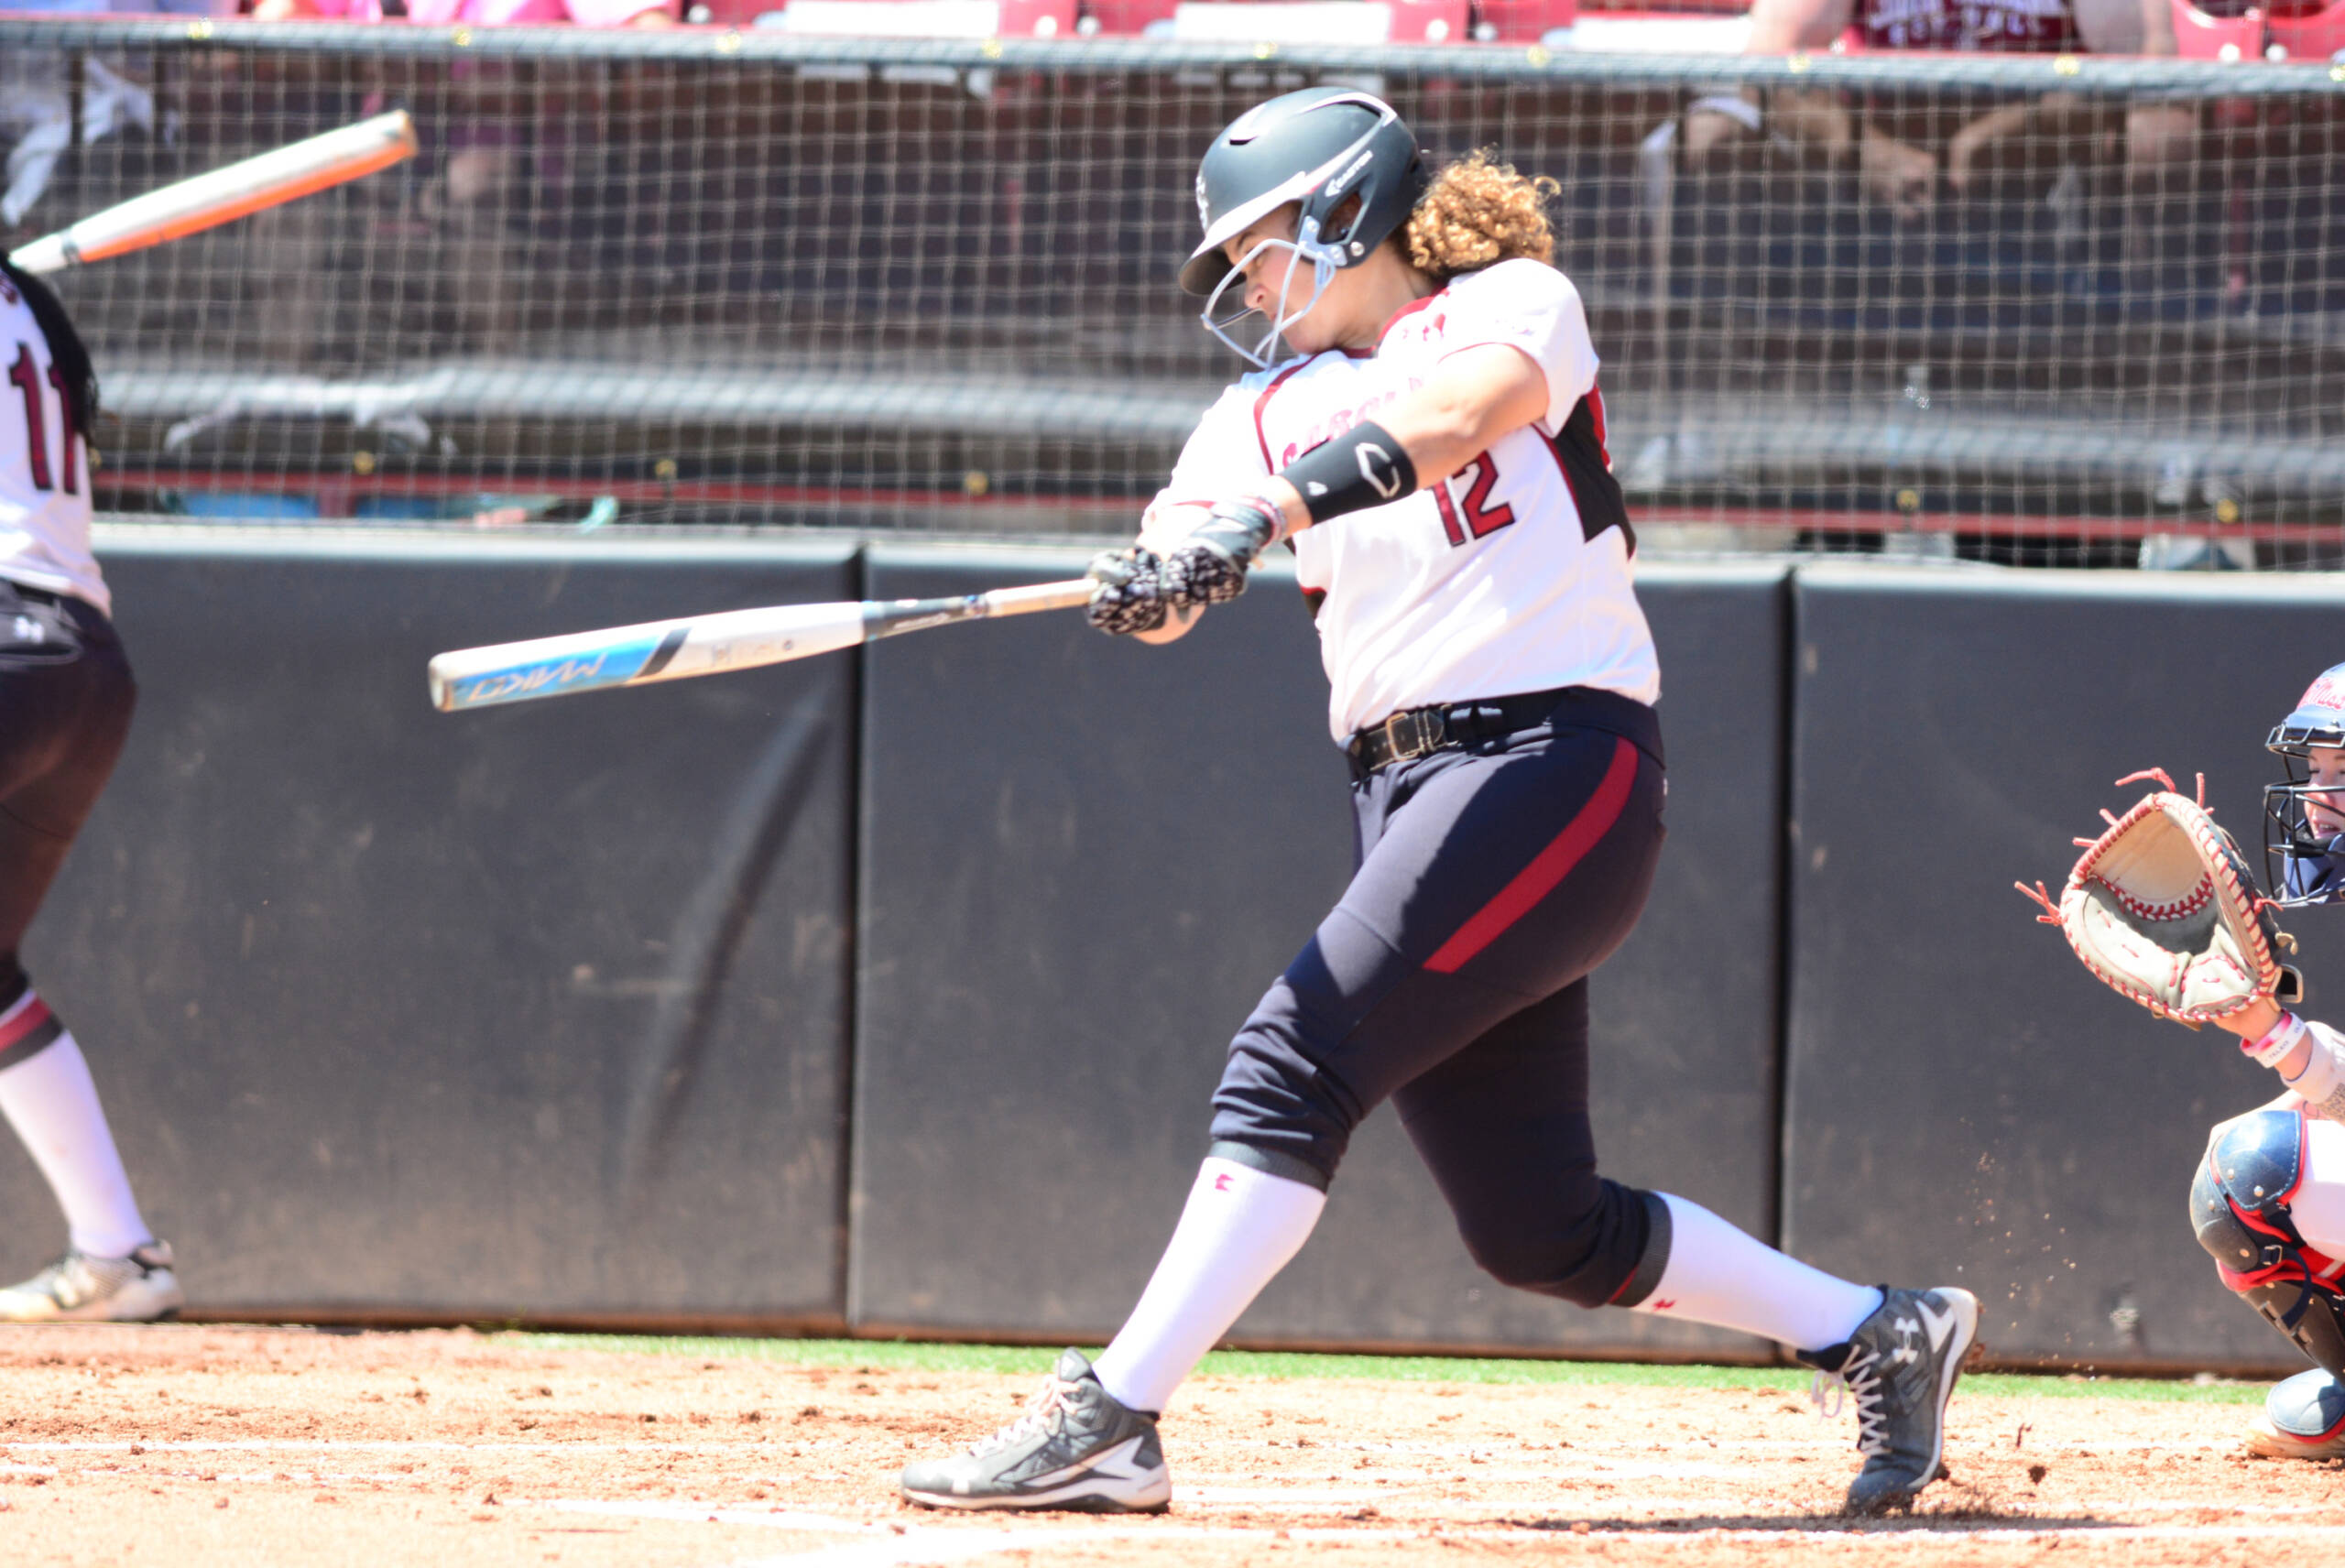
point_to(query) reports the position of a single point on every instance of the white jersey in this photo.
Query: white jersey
(1511, 576)
(44, 466)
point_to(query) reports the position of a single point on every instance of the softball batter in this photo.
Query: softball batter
(65, 700)
(1433, 443)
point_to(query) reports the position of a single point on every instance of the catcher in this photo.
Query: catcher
(2163, 908)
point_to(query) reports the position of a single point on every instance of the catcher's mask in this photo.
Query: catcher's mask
(2304, 863)
(1346, 160)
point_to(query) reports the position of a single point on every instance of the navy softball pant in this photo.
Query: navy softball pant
(66, 696)
(1452, 979)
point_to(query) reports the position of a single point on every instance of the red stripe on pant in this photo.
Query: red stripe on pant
(33, 1030)
(1547, 868)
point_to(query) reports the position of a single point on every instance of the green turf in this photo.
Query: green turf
(919, 1356)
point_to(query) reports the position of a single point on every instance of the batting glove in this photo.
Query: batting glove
(1130, 595)
(1210, 566)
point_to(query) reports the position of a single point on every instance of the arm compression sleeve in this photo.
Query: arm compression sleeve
(1363, 467)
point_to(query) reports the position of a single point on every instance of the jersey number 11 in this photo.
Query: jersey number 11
(25, 376)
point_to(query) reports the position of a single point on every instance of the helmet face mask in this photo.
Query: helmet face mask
(1225, 315)
(2303, 863)
(1346, 164)
(2304, 814)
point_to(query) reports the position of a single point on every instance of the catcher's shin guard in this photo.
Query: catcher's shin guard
(2238, 1206)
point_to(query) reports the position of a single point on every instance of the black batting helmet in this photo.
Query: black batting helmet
(1319, 146)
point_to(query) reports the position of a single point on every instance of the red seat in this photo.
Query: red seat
(1125, 18)
(886, 18)
(2308, 33)
(2202, 36)
(1414, 21)
(1038, 18)
(1527, 21)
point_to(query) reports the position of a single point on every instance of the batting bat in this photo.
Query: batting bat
(709, 645)
(207, 201)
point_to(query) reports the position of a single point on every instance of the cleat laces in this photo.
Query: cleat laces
(1053, 1400)
(1859, 1377)
(94, 1277)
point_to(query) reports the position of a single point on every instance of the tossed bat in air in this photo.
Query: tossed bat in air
(709, 645)
(206, 201)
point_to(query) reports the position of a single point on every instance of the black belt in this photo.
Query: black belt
(1420, 732)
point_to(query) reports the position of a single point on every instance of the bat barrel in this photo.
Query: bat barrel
(223, 195)
(634, 655)
(704, 645)
(46, 253)
(516, 671)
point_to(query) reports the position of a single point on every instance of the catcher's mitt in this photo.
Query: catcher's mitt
(2163, 908)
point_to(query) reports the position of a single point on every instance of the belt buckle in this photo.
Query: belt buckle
(1425, 733)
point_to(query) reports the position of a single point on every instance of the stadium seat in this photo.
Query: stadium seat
(926, 19)
(1263, 21)
(726, 12)
(2307, 34)
(1521, 21)
(1323, 21)
(1709, 30)
(2202, 35)
(1125, 18)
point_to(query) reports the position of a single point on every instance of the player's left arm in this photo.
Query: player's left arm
(2308, 1056)
(1522, 355)
(1517, 354)
(1472, 398)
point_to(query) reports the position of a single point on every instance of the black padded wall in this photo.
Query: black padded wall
(1965, 1105)
(534, 1011)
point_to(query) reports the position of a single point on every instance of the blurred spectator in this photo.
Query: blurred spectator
(1900, 162)
(37, 114)
(481, 187)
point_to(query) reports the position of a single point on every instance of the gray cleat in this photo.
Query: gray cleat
(1900, 1365)
(1075, 1448)
(79, 1288)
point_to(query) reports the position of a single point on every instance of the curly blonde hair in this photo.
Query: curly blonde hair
(1476, 213)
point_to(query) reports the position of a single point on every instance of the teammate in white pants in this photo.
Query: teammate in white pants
(2268, 1201)
(66, 695)
(1433, 444)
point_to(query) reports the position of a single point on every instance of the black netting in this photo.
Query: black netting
(772, 282)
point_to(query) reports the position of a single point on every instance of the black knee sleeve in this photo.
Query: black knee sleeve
(1269, 1161)
(2239, 1207)
(1611, 1255)
(26, 1026)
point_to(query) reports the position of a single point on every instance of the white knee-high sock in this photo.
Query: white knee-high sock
(51, 1101)
(1718, 1276)
(1240, 1227)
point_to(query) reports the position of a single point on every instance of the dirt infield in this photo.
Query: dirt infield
(208, 1447)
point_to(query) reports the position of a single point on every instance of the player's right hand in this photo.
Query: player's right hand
(1209, 567)
(1130, 595)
